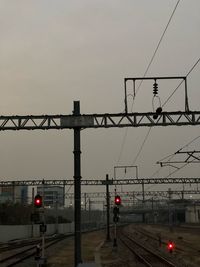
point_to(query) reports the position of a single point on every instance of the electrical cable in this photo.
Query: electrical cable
(196, 63)
(141, 147)
(158, 45)
(152, 58)
(172, 155)
(181, 82)
(178, 169)
(190, 142)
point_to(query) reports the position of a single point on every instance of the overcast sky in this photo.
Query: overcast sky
(55, 52)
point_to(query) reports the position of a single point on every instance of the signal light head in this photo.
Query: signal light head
(38, 201)
(170, 246)
(117, 200)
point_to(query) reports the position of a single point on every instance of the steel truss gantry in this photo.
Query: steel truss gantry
(46, 122)
(111, 182)
(132, 194)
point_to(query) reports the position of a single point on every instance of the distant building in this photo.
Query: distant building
(192, 213)
(53, 195)
(14, 194)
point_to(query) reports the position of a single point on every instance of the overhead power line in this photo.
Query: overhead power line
(196, 63)
(158, 45)
(148, 132)
(147, 69)
(172, 155)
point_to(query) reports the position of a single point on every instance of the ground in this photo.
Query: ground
(95, 248)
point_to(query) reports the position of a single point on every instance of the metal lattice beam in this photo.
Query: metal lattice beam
(132, 194)
(103, 182)
(45, 122)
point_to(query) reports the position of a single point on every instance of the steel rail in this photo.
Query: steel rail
(29, 255)
(124, 237)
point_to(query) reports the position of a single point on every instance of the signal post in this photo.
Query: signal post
(40, 257)
(116, 217)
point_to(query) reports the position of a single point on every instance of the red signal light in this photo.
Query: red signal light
(38, 201)
(117, 200)
(170, 246)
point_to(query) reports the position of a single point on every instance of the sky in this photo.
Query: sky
(55, 52)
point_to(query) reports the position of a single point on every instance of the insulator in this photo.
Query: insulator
(155, 91)
(155, 88)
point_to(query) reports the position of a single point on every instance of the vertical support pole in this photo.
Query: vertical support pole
(143, 199)
(169, 209)
(43, 221)
(136, 171)
(103, 212)
(32, 223)
(13, 192)
(115, 235)
(56, 206)
(85, 197)
(152, 207)
(182, 194)
(63, 195)
(187, 109)
(108, 209)
(125, 97)
(133, 199)
(77, 187)
(89, 201)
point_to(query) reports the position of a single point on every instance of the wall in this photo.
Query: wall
(192, 214)
(12, 232)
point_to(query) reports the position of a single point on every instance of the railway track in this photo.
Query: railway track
(17, 257)
(145, 255)
(22, 243)
(185, 243)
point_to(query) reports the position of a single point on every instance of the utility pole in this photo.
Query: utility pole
(32, 222)
(107, 208)
(63, 195)
(56, 207)
(143, 200)
(85, 202)
(43, 223)
(89, 201)
(77, 187)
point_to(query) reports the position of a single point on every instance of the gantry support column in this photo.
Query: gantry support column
(77, 188)
(107, 209)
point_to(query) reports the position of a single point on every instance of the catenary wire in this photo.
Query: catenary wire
(192, 68)
(189, 143)
(158, 45)
(196, 63)
(172, 155)
(137, 90)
